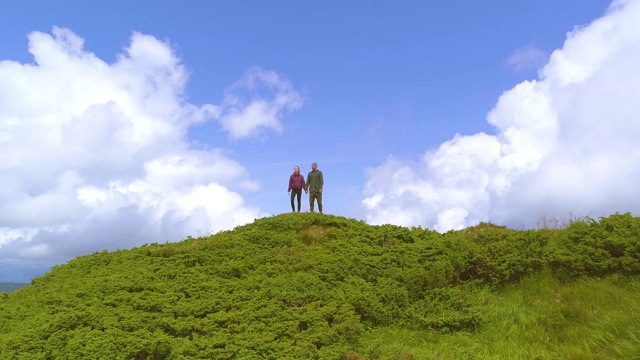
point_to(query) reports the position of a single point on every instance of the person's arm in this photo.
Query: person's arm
(290, 183)
(304, 185)
(321, 182)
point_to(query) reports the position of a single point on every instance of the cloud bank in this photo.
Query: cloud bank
(565, 143)
(95, 155)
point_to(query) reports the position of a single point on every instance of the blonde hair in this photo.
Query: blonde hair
(294, 169)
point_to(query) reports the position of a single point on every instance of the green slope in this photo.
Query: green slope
(311, 286)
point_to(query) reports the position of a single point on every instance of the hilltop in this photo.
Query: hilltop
(298, 286)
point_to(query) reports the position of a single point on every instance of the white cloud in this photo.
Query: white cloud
(256, 103)
(565, 143)
(528, 57)
(95, 155)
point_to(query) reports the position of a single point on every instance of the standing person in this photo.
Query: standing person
(296, 184)
(315, 182)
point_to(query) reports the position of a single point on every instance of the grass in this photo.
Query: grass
(539, 318)
(325, 287)
(314, 235)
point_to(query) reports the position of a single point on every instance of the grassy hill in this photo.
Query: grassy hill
(312, 286)
(8, 287)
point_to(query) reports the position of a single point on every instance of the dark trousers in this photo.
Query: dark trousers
(313, 195)
(294, 193)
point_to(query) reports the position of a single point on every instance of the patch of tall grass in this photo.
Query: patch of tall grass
(538, 318)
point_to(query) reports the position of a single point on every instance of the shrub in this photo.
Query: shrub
(598, 248)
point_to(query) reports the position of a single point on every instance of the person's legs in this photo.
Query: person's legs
(299, 196)
(293, 194)
(319, 198)
(312, 197)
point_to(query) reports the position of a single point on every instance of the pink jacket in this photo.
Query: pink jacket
(296, 182)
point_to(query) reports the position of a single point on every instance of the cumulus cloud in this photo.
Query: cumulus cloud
(95, 155)
(564, 143)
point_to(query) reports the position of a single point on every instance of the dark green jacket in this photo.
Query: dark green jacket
(315, 181)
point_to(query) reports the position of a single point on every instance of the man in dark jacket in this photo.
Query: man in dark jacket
(315, 182)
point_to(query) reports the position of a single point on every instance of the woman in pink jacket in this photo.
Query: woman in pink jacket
(296, 185)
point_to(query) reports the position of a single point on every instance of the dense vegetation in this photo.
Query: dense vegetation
(312, 286)
(8, 287)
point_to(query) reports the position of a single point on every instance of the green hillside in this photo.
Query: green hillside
(312, 286)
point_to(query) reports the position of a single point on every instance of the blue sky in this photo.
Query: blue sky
(132, 122)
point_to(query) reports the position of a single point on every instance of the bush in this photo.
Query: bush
(598, 248)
